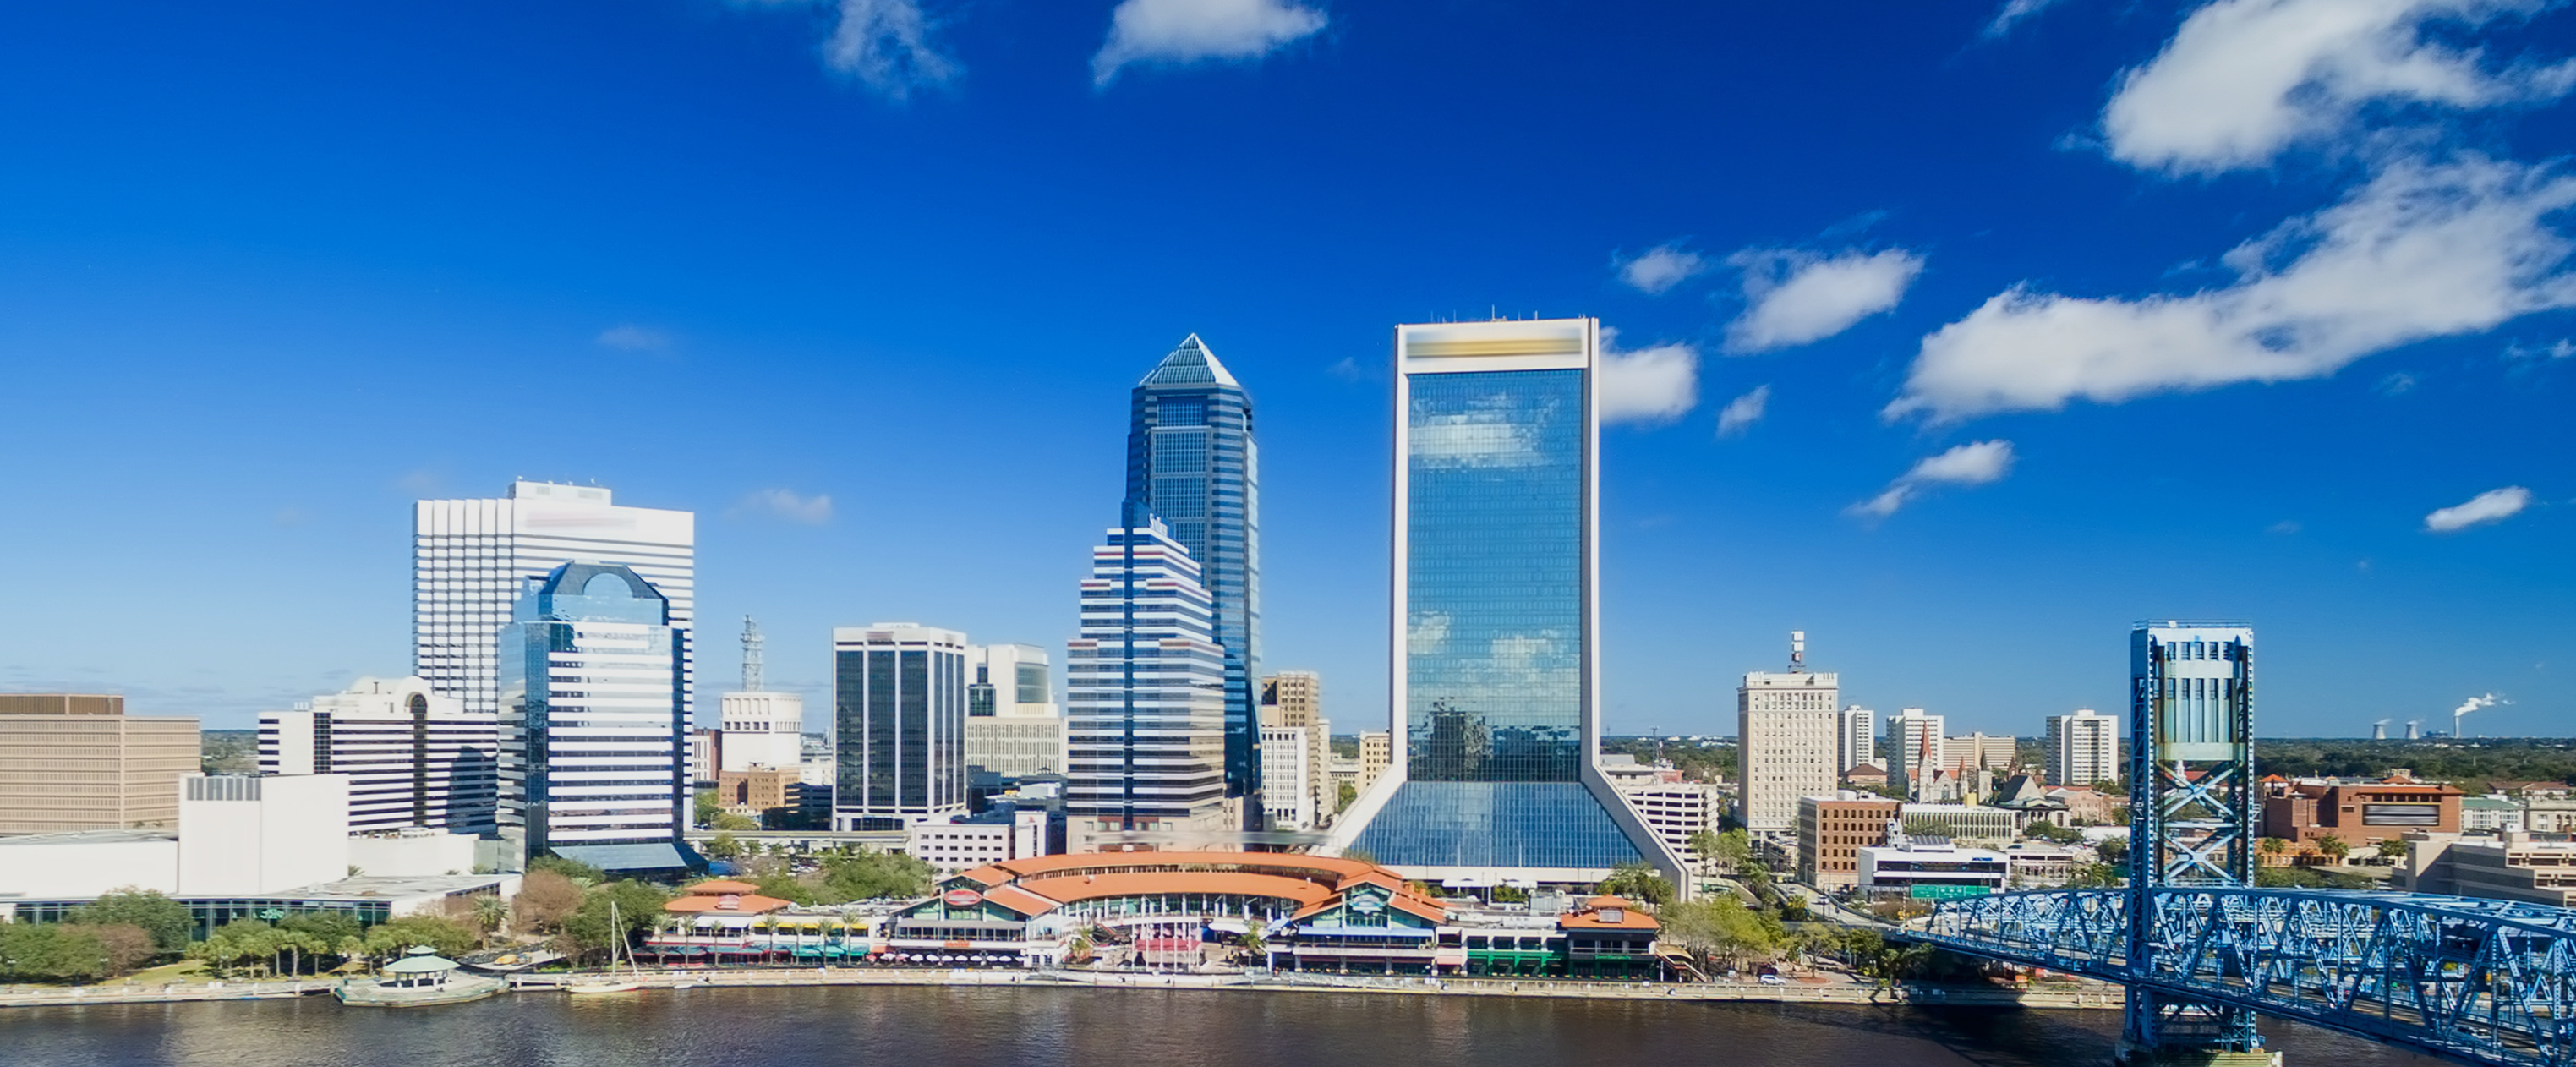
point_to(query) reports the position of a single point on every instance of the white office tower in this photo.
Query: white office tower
(1966, 754)
(1013, 728)
(1286, 755)
(898, 725)
(759, 728)
(1144, 698)
(594, 757)
(413, 757)
(1915, 748)
(469, 558)
(2083, 748)
(1858, 734)
(1787, 729)
(763, 729)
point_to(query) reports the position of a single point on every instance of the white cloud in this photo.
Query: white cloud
(628, 337)
(1794, 296)
(885, 44)
(2422, 251)
(1742, 412)
(2494, 505)
(1188, 31)
(2242, 80)
(1650, 385)
(2013, 12)
(1660, 268)
(786, 504)
(2559, 349)
(1968, 464)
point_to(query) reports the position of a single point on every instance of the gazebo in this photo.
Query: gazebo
(420, 968)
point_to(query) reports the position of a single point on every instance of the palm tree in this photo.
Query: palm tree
(2334, 847)
(2273, 847)
(489, 913)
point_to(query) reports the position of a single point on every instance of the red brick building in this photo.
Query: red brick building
(2360, 813)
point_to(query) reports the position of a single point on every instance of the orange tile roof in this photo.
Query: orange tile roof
(1071, 888)
(1043, 866)
(721, 887)
(1590, 918)
(1021, 900)
(743, 904)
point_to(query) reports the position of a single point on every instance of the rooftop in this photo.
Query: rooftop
(90, 837)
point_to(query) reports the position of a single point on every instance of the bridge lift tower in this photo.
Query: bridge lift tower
(2192, 809)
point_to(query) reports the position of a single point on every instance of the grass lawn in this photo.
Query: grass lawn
(182, 971)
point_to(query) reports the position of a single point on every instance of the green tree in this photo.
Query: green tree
(545, 898)
(581, 873)
(869, 875)
(2095, 876)
(638, 907)
(327, 926)
(1636, 881)
(167, 920)
(2335, 848)
(443, 935)
(723, 846)
(1344, 793)
(726, 820)
(2392, 848)
(53, 952)
(2273, 846)
(1721, 928)
(707, 808)
(491, 912)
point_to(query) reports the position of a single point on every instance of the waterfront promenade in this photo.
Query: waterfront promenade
(2087, 995)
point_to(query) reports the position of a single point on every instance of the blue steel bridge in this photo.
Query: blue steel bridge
(2478, 981)
(2202, 951)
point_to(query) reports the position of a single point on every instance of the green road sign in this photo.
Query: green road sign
(1949, 892)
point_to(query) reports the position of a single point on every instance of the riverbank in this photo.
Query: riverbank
(2088, 995)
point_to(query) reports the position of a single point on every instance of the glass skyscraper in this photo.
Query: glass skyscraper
(899, 725)
(1496, 666)
(593, 686)
(1191, 460)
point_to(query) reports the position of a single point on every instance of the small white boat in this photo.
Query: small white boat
(611, 982)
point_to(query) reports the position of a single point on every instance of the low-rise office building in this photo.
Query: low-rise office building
(2517, 866)
(966, 842)
(1964, 822)
(414, 757)
(1676, 812)
(1831, 832)
(2359, 813)
(1931, 868)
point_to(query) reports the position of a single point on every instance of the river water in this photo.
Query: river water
(928, 1026)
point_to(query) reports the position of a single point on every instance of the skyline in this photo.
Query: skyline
(673, 250)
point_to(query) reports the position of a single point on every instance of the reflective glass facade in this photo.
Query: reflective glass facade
(1494, 577)
(591, 686)
(899, 704)
(1494, 585)
(1192, 460)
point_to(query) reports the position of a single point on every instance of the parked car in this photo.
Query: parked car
(1773, 979)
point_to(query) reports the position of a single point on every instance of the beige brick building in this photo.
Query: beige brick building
(78, 762)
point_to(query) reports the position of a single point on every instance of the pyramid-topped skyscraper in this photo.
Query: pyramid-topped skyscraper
(1191, 460)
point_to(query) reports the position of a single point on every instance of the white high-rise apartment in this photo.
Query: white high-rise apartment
(1295, 699)
(413, 757)
(1966, 754)
(1915, 747)
(1858, 735)
(1013, 728)
(594, 756)
(471, 558)
(2083, 748)
(1145, 697)
(1286, 753)
(1788, 740)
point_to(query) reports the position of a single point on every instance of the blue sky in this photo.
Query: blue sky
(2021, 323)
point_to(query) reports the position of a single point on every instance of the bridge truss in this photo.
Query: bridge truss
(2479, 981)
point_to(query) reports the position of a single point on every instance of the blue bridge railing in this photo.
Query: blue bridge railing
(2478, 981)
